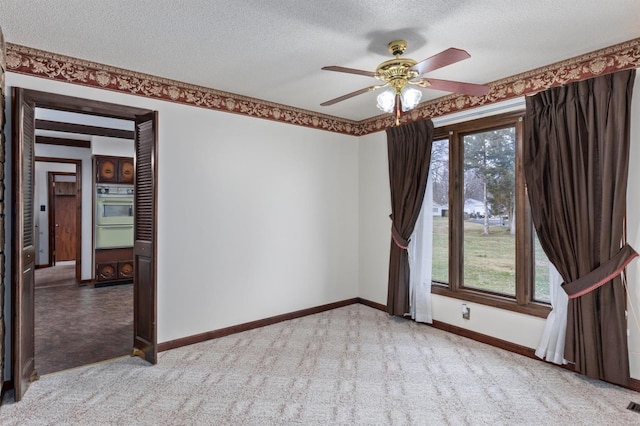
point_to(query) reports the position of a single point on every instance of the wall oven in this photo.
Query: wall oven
(114, 216)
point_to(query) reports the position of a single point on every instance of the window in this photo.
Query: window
(488, 177)
(484, 247)
(439, 173)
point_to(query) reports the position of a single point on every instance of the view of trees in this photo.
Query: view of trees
(489, 173)
(439, 170)
(488, 229)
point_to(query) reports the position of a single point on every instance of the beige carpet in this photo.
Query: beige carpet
(350, 366)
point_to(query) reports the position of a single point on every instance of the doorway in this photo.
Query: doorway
(74, 324)
(62, 207)
(144, 336)
(63, 224)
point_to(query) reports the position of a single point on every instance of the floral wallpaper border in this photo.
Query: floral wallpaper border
(26, 60)
(611, 59)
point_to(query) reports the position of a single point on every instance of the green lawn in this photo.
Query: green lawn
(489, 260)
(440, 268)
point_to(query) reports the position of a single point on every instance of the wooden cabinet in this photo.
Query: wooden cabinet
(106, 271)
(107, 169)
(114, 169)
(125, 270)
(125, 170)
(114, 264)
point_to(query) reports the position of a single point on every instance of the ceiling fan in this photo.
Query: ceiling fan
(399, 74)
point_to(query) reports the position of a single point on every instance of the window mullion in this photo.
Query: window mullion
(456, 212)
(524, 247)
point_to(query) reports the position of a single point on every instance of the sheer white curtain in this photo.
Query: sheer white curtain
(551, 346)
(420, 260)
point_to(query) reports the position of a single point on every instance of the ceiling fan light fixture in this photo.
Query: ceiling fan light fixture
(387, 100)
(398, 73)
(410, 98)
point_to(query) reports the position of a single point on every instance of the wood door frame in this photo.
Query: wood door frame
(52, 210)
(92, 107)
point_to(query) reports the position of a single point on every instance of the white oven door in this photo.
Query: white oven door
(114, 211)
(114, 236)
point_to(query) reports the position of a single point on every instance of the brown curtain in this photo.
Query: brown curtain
(576, 161)
(409, 149)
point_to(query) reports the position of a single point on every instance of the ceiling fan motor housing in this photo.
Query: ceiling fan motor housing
(396, 72)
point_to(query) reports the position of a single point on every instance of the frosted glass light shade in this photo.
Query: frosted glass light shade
(410, 98)
(387, 100)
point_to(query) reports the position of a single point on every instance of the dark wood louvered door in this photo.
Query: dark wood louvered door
(24, 242)
(144, 247)
(23, 232)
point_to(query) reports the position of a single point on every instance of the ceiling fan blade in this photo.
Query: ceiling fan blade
(454, 86)
(349, 70)
(439, 60)
(350, 95)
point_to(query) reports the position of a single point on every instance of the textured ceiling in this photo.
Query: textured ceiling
(274, 49)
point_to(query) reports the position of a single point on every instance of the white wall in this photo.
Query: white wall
(374, 221)
(256, 218)
(101, 145)
(375, 207)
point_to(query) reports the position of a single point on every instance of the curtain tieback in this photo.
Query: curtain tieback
(602, 274)
(400, 241)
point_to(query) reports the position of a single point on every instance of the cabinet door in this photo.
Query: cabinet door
(107, 169)
(125, 270)
(126, 170)
(107, 271)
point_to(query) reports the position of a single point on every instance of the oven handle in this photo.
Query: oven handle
(116, 226)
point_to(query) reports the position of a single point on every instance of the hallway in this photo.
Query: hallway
(78, 325)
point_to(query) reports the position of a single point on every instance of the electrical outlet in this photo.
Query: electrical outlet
(466, 311)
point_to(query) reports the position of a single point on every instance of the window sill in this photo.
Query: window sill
(536, 309)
